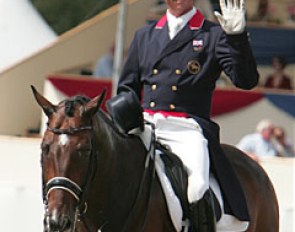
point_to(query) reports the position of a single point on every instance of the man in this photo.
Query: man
(172, 68)
(259, 143)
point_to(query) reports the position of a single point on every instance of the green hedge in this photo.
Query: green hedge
(63, 15)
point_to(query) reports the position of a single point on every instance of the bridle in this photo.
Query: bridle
(68, 185)
(68, 131)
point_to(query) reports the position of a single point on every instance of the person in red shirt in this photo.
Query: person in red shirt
(278, 79)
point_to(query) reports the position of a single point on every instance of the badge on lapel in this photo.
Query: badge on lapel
(198, 45)
(194, 67)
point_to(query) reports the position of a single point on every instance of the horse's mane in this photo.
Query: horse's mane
(71, 102)
(108, 120)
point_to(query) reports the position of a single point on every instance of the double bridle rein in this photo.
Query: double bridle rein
(68, 185)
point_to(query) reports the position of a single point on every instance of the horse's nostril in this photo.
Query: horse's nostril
(53, 224)
(49, 224)
(65, 223)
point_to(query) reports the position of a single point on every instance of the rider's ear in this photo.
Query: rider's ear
(93, 105)
(46, 105)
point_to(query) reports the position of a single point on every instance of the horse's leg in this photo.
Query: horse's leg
(158, 218)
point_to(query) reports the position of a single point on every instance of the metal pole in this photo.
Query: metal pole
(119, 44)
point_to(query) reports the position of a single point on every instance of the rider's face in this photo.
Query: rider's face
(179, 7)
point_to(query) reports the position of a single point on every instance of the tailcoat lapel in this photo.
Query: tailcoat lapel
(167, 46)
(161, 36)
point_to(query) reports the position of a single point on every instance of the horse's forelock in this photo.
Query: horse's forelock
(72, 102)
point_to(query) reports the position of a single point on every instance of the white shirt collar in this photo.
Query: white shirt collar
(180, 21)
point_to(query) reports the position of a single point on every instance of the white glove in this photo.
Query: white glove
(232, 20)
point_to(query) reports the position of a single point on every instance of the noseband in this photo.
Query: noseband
(68, 185)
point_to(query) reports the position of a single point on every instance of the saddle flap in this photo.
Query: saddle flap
(177, 174)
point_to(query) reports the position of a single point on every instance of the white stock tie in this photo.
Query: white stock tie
(174, 30)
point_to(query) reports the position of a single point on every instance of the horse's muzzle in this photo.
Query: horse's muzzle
(57, 224)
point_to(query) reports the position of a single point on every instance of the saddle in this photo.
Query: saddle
(174, 180)
(178, 177)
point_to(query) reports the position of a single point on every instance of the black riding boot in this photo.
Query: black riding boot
(202, 214)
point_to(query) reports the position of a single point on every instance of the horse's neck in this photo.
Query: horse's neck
(115, 147)
(120, 169)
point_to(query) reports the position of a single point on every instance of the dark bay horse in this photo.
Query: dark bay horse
(97, 179)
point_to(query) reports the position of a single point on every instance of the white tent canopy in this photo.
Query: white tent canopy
(23, 31)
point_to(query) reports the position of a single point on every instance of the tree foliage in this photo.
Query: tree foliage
(63, 15)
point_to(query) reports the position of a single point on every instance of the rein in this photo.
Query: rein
(149, 169)
(66, 184)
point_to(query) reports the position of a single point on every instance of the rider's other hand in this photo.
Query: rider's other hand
(232, 19)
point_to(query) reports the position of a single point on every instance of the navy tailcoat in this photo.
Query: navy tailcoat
(180, 75)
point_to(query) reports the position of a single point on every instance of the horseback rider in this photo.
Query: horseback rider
(172, 68)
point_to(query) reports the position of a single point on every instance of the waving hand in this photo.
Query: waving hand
(232, 19)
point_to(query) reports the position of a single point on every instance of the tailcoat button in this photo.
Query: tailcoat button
(155, 71)
(178, 71)
(152, 104)
(172, 107)
(154, 87)
(174, 88)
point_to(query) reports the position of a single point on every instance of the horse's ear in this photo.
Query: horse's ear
(93, 105)
(46, 105)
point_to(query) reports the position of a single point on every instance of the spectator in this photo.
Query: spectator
(262, 11)
(105, 65)
(278, 79)
(291, 12)
(281, 143)
(259, 143)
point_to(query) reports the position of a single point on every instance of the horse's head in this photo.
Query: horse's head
(67, 158)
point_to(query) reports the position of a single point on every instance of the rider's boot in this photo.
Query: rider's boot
(202, 214)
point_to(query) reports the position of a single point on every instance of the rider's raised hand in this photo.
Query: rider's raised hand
(232, 19)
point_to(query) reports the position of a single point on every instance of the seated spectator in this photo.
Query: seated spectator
(262, 11)
(259, 144)
(265, 13)
(282, 145)
(105, 65)
(278, 79)
(291, 12)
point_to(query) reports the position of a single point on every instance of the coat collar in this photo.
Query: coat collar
(195, 22)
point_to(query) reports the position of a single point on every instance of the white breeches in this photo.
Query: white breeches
(185, 138)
